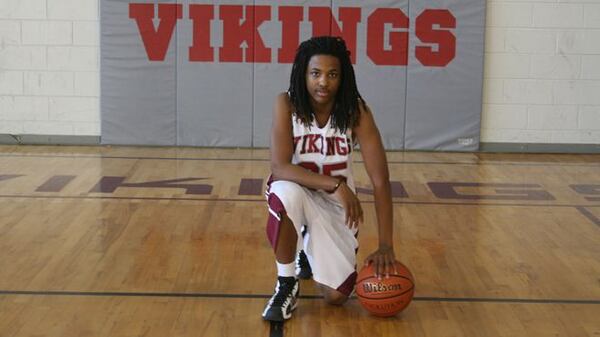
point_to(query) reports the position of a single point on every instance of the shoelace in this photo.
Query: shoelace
(285, 289)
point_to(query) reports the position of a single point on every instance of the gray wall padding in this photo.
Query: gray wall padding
(149, 100)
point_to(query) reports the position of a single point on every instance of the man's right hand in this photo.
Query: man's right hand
(351, 204)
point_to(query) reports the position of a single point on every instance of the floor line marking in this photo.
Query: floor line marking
(588, 215)
(554, 164)
(309, 297)
(399, 202)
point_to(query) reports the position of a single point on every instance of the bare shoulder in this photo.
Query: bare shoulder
(282, 112)
(366, 132)
(363, 107)
(365, 119)
(283, 103)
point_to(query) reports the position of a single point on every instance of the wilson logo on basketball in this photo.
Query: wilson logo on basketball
(380, 287)
(387, 296)
(386, 32)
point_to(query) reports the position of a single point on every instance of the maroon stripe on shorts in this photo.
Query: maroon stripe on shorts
(275, 205)
(348, 285)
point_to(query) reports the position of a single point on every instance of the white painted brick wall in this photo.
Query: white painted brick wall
(579, 41)
(86, 128)
(495, 39)
(557, 15)
(509, 14)
(23, 9)
(49, 83)
(47, 32)
(530, 41)
(493, 92)
(542, 72)
(541, 77)
(552, 117)
(73, 58)
(527, 92)
(590, 67)
(588, 115)
(76, 109)
(23, 108)
(86, 33)
(581, 92)
(49, 63)
(505, 116)
(47, 128)
(591, 15)
(11, 82)
(87, 83)
(73, 9)
(555, 66)
(10, 32)
(503, 65)
(23, 57)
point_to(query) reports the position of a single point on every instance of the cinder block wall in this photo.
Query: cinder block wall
(542, 70)
(49, 74)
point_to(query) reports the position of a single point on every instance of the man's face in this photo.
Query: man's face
(323, 78)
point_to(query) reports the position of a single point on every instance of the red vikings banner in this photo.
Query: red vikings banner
(206, 73)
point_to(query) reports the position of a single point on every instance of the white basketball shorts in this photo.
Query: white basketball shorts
(328, 243)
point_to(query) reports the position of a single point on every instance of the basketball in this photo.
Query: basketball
(388, 296)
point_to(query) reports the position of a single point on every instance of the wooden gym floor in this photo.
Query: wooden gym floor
(123, 241)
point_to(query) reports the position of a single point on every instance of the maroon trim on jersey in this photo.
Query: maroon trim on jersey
(273, 223)
(348, 285)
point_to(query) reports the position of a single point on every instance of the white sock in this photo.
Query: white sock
(286, 270)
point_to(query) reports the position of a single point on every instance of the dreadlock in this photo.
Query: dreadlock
(345, 110)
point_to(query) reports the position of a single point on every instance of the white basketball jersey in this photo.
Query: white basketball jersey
(323, 150)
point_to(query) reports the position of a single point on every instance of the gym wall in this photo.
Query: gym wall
(541, 75)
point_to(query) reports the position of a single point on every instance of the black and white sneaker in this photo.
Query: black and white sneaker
(284, 301)
(303, 269)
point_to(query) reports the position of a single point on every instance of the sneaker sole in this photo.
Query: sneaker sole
(288, 316)
(285, 316)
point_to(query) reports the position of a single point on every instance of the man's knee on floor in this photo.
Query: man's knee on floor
(334, 297)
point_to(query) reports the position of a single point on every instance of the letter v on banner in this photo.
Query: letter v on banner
(156, 41)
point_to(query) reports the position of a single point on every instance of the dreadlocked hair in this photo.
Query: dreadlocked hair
(346, 111)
